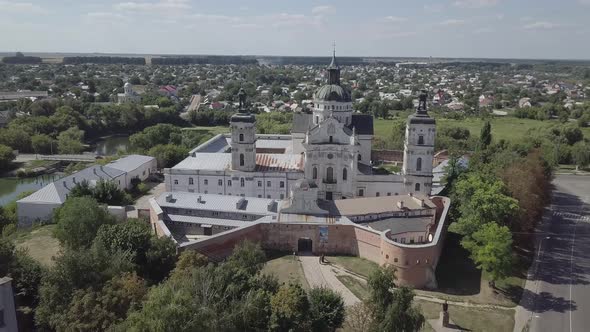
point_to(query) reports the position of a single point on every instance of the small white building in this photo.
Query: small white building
(40, 204)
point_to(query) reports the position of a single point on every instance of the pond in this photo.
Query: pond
(10, 188)
(111, 145)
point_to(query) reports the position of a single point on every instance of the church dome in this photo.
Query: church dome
(332, 92)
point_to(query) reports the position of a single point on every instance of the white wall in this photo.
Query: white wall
(29, 212)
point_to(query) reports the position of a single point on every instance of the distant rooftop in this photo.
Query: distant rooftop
(222, 203)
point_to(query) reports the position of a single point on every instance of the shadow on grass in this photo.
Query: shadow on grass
(456, 274)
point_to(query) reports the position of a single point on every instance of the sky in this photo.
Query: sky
(545, 29)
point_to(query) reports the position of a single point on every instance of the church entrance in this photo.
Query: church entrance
(304, 245)
(329, 196)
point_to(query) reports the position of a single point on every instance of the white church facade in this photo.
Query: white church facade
(331, 146)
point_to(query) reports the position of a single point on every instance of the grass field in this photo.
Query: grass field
(355, 264)
(39, 242)
(357, 287)
(508, 128)
(287, 269)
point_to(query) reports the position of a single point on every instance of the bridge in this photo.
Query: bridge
(86, 157)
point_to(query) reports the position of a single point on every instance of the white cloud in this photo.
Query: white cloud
(475, 3)
(433, 8)
(584, 2)
(323, 10)
(166, 5)
(541, 25)
(395, 19)
(18, 7)
(452, 22)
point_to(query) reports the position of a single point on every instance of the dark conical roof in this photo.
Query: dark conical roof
(334, 63)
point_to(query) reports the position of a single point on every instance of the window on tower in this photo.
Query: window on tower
(242, 182)
(419, 164)
(331, 139)
(344, 174)
(241, 137)
(330, 175)
(315, 173)
(241, 159)
(420, 139)
(417, 187)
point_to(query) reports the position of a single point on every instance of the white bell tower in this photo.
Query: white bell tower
(419, 149)
(243, 137)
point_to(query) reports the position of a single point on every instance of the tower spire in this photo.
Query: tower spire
(333, 69)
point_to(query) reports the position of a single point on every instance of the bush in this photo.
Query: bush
(8, 230)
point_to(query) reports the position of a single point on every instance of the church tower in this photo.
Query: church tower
(419, 149)
(243, 137)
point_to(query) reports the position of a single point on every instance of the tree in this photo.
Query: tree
(401, 315)
(107, 192)
(78, 221)
(491, 250)
(290, 307)
(381, 282)
(483, 200)
(581, 154)
(168, 155)
(132, 237)
(248, 256)
(42, 144)
(91, 310)
(485, 138)
(190, 259)
(73, 270)
(359, 317)
(326, 309)
(81, 189)
(160, 259)
(70, 141)
(6, 157)
(25, 272)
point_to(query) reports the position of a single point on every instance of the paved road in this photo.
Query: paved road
(557, 294)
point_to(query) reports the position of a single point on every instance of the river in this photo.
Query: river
(10, 188)
(111, 145)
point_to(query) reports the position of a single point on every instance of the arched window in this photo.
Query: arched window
(315, 173)
(331, 139)
(359, 157)
(317, 119)
(344, 174)
(330, 174)
(241, 159)
(420, 139)
(241, 182)
(417, 187)
(419, 164)
(241, 137)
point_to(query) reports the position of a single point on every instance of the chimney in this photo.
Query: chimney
(422, 204)
(169, 198)
(74, 179)
(400, 205)
(411, 194)
(94, 171)
(271, 206)
(65, 184)
(240, 203)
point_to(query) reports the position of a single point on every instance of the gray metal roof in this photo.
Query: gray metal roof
(401, 225)
(207, 221)
(222, 161)
(57, 191)
(221, 203)
(130, 163)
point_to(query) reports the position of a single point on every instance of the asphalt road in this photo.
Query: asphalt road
(557, 295)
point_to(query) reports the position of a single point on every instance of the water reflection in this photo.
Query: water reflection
(10, 188)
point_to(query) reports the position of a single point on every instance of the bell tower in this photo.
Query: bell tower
(243, 137)
(419, 149)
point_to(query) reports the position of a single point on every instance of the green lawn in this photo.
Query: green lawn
(39, 242)
(474, 319)
(354, 264)
(508, 128)
(357, 287)
(286, 268)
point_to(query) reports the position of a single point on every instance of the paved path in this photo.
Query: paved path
(324, 275)
(557, 292)
(143, 201)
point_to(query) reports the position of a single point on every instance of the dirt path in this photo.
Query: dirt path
(323, 275)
